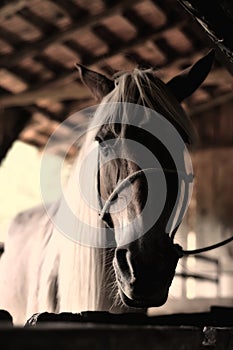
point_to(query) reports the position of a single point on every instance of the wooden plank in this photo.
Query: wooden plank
(25, 75)
(12, 39)
(133, 17)
(98, 337)
(80, 49)
(109, 37)
(72, 91)
(38, 21)
(10, 7)
(164, 45)
(125, 336)
(73, 10)
(52, 64)
(217, 101)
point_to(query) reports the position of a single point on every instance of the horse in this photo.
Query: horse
(132, 268)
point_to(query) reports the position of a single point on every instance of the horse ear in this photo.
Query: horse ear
(184, 84)
(98, 84)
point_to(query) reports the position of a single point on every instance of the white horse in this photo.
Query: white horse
(42, 269)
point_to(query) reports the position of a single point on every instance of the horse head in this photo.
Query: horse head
(145, 257)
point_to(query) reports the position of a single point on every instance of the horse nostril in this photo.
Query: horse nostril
(121, 258)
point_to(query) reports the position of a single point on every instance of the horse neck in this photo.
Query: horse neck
(86, 275)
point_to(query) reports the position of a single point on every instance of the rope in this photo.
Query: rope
(206, 249)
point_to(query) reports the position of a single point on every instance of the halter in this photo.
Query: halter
(106, 217)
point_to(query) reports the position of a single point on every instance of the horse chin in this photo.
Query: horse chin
(142, 302)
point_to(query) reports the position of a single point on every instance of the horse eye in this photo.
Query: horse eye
(100, 142)
(98, 139)
(103, 145)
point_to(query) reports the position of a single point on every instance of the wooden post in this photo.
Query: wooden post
(216, 17)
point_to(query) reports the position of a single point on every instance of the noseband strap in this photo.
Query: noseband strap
(104, 212)
(106, 217)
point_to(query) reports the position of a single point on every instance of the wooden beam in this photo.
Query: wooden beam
(216, 19)
(75, 91)
(219, 76)
(72, 91)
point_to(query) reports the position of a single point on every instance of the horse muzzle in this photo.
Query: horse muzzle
(140, 287)
(144, 300)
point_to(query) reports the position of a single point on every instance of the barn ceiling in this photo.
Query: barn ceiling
(41, 40)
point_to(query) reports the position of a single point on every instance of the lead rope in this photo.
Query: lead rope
(106, 217)
(206, 249)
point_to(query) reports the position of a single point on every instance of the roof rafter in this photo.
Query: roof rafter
(124, 48)
(57, 37)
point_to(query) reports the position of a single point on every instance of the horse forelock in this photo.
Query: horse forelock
(143, 87)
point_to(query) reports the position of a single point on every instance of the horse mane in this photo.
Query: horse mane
(143, 87)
